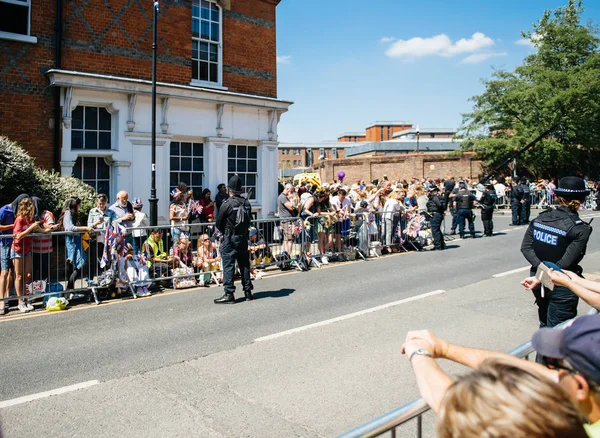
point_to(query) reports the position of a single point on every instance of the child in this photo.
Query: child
(21, 249)
(132, 269)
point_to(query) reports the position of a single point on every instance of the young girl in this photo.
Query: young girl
(178, 215)
(207, 258)
(76, 256)
(21, 249)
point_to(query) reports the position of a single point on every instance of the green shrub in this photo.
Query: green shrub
(18, 174)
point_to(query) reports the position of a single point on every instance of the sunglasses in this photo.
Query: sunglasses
(206, 240)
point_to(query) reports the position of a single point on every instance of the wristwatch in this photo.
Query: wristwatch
(420, 352)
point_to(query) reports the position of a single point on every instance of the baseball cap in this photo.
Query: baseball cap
(364, 204)
(579, 344)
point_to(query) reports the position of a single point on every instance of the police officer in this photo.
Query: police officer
(486, 203)
(435, 208)
(234, 224)
(558, 236)
(516, 196)
(463, 204)
(525, 201)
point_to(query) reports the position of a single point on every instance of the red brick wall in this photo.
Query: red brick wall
(401, 167)
(348, 138)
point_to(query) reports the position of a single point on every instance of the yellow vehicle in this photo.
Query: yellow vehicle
(311, 178)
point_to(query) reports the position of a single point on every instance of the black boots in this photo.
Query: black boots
(225, 299)
(249, 296)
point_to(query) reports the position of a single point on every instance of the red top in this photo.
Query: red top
(206, 210)
(21, 246)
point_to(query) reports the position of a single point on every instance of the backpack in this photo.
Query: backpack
(242, 218)
(283, 261)
(302, 262)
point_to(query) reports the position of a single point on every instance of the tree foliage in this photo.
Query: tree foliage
(18, 174)
(558, 85)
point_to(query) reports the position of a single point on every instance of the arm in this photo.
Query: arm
(527, 247)
(221, 221)
(590, 296)
(20, 234)
(576, 248)
(6, 227)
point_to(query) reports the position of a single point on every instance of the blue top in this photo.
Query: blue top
(7, 217)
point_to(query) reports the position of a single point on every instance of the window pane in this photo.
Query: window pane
(251, 179)
(252, 151)
(204, 30)
(185, 178)
(77, 139)
(186, 149)
(195, 28)
(91, 117)
(203, 54)
(195, 10)
(105, 119)
(89, 168)
(198, 149)
(241, 151)
(91, 139)
(214, 13)
(103, 187)
(103, 169)
(231, 165)
(104, 140)
(214, 76)
(231, 151)
(214, 31)
(174, 163)
(174, 179)
(196, 180)
(13, 18)
(77, 168)
(77, 116)
(186, 163)
(203, 74)
(197, 164)
(174, 148)
(205, 11)
(214, 53)
(241, 165)
(251, 165)
(195, 73)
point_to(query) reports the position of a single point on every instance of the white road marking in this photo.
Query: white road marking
(348, 316)
(39, 395)
(514, 271)
(505, 231)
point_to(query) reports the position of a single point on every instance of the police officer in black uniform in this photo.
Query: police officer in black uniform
(558, 236)
(486, 203)
(516, 196)
(235, 241)
(525, 201)
(463, 203)
(435, 209)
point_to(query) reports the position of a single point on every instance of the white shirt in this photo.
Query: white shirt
(341, 205)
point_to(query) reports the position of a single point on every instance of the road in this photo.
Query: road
(314, 355)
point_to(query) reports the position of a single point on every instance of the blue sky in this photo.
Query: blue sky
(347, 63)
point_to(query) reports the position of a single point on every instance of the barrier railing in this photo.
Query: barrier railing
(415, 409)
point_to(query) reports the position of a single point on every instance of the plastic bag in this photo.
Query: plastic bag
(56, 304)
(183, 282)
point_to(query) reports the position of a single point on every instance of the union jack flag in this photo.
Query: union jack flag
(175, 193)
(414, 226)
(194, 207)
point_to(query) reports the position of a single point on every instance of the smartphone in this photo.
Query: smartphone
(553, 265)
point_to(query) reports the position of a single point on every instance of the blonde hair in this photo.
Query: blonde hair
(572, 204)
(26, 208)
(499, 399)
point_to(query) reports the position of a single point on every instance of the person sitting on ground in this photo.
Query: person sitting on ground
(260, 253)
(157, 260)
(207, 258)
(133, 271)
(182, 251)
(574, 362)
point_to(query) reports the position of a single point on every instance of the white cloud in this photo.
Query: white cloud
(528, 42)
(476, 58)
(284, 60)
(439, 45)
(385, 40)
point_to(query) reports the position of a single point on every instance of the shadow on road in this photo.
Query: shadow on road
(274, 294)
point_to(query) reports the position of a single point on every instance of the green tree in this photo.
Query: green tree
(559, 84)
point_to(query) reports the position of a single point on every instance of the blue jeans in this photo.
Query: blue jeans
(5, 256)
(462, 214)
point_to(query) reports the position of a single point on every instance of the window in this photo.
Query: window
(206, 41)
(187, 165)
(243, 160)
(91, 128)
(389, 133)
(431, 135)
(334, 153)
(93, 171)
(15, 16)
(382, 133)
(322, 153)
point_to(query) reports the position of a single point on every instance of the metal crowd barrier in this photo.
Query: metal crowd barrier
(414, 410)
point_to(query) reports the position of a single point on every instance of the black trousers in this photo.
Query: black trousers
(465, 214)
(235, 248)
(556, 306)
(515, 206)
(525, 212)
(436, 224)
(488, 223)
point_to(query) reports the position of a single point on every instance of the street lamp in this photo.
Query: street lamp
(418, 135)
(153, 200)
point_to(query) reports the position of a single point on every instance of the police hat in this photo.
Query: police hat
(572, 187)
(433, 188)
(235, 184)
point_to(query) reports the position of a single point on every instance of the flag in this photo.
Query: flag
(47, 218)
(175, 193)
(194, 207)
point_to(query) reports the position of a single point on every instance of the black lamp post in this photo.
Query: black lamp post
(418, 135)
(153, 199)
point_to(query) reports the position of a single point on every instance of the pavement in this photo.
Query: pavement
(316, 354)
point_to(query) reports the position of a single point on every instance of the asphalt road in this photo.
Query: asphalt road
(150, 351)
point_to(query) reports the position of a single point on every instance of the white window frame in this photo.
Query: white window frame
(219, 83)
(190, 184)
(96, 179)
(255, 195)
(24, 38)
(334, 153)
(96, 152)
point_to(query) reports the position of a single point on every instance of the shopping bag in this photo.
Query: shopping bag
(183, 282)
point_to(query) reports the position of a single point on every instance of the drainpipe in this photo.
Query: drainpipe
(58, 66)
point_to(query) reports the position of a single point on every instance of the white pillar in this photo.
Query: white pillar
(267, 181)
(215, 162)
(66, 168)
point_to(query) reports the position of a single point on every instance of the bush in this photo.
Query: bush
(18, 174)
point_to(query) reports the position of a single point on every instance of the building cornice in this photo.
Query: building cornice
(93, 81)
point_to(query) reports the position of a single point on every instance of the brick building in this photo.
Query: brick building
(377, 131)
(406, 166)
(77, 96)
(296, 157)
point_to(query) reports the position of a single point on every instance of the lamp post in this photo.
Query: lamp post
(418, 135)
(153, 200)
